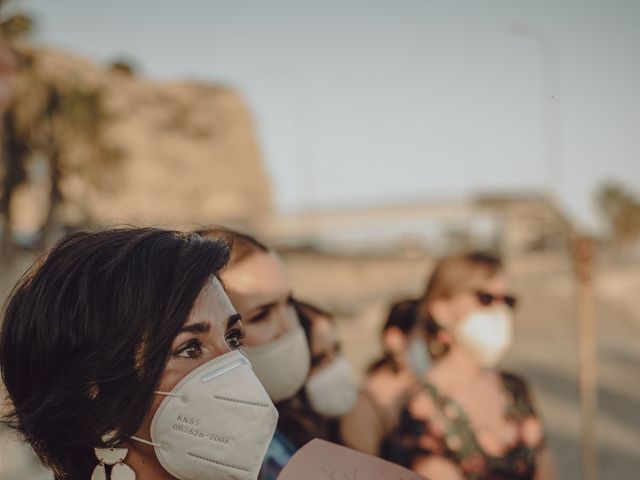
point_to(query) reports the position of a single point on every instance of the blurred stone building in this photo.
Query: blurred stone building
(180, 153)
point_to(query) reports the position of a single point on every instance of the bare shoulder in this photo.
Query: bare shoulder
(387, 387)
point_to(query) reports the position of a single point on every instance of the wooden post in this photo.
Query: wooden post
(583, 250)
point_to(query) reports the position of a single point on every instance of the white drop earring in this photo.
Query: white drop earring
(112, 456)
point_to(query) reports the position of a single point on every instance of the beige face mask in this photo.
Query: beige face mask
(332, 392)
(487, 334)
(282, 365)
(216, 424)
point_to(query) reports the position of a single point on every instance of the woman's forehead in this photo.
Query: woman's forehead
(496, 283)
(261, 275)
(212, 304)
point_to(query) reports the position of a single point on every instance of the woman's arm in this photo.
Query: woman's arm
(437, 468)
(361, 428)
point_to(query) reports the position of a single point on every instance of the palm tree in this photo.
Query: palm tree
(622, 211)
(13, 143)
(78, 120)
(65, 123)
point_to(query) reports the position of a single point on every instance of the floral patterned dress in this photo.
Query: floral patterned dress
(447, 433)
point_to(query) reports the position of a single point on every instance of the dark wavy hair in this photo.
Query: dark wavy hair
(298, 420)
(402, 315)
(86, 334)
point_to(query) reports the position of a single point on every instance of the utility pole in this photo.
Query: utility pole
(583, 254)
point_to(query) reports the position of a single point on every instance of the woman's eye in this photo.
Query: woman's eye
(234, 339)
(318, 359)
(191, 350)
(262, 315)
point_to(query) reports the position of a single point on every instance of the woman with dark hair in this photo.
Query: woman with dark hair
(119, 352)
(404, 358)
(330, 390)
(274, 339)
(467, 419)
(404, 347)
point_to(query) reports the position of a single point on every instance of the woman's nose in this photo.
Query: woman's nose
(287, 319)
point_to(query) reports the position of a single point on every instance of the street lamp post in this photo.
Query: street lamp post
(582, 246)
(551, 105)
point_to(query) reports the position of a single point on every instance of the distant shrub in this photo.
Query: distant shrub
(123, 67)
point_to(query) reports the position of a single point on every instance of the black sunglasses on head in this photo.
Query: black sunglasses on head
(487, 299)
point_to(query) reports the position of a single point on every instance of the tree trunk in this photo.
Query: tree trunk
(13, 152)
(55, 199)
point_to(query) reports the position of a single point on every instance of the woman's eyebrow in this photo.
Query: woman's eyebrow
(260, 308)
(196, 328)
(233, 319)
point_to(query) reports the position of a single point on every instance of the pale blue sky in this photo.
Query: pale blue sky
(361, 102)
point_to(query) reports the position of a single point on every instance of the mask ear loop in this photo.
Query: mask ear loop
(168, 394)
(147, 442)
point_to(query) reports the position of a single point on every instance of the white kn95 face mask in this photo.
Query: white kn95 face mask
(217, 423)
(332, 391)
(282, 365)
(487, 334)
